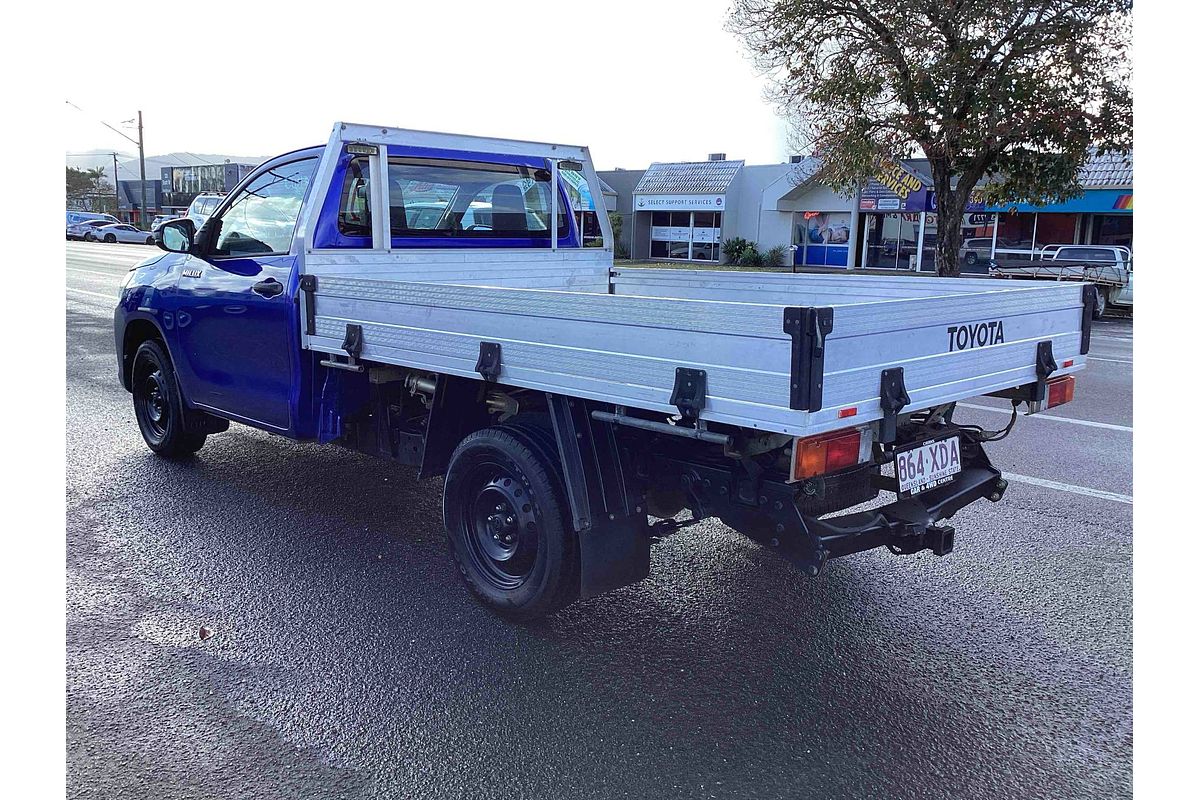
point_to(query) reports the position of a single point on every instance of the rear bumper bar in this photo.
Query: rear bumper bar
(906, 526)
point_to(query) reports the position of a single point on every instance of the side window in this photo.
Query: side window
(263, 217)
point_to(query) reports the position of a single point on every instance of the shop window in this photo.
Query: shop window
(888, 241)
(1113, 230)
(681, 219)
(679, 250)
(1055, 229)
(659, 249)
(704, 219)
(702, 251)
(1014, 241)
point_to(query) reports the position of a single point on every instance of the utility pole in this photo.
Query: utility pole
(116, 188)
(142, 162)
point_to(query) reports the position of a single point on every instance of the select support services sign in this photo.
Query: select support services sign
(679, 202)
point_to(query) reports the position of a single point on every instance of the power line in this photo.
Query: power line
(102, 122)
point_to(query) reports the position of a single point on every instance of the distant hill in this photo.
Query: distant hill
(127, 163)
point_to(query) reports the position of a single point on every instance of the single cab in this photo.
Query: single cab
(426, 298)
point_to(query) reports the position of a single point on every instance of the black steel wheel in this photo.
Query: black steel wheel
(509, 537)
(158, 405)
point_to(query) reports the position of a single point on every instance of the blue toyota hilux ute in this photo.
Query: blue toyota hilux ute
(449, 302)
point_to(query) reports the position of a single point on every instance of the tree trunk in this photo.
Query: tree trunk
(950, 207)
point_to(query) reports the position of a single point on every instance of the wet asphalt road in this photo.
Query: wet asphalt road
(347, 661)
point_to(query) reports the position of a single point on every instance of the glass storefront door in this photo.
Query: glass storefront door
(888, 240)
(686, 235)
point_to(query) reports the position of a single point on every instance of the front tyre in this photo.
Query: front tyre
(509, 536)
(158, 405)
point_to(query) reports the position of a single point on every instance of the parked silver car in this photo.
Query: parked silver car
(119, 232)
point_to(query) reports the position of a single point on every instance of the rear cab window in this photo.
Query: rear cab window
(447, 202)
(1097, 254)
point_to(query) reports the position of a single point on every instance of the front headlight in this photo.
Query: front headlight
(127, 279)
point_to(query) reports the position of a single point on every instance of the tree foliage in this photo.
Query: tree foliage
(88, 185)
(1010, 96)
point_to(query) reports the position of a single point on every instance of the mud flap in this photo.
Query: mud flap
(607, 512)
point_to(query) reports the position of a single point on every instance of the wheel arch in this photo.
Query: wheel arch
(137, 331)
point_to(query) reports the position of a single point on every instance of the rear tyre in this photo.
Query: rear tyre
(972, 257)
(108, 237)
(510, 539)
(158, 405)
(149, 240)
(1101, 303)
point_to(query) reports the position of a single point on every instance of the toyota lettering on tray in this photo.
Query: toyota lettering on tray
(928, 465)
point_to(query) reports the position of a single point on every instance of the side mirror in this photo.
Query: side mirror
(176, 236)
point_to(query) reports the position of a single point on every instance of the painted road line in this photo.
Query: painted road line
(94, 272)
(1086, 491)
(112, 297)
(1110, 360)
(1069, 420)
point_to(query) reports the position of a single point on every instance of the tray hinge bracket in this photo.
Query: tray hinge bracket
(1089, 309)
(690, 393)
(308, 285)
(808, 328)
(1045, 368)
(892, 397)
(352, 344)
(488, 364)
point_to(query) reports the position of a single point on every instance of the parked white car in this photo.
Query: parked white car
(120, 232)
(80, 230)
(202, 208)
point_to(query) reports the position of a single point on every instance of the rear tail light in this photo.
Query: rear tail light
(829, 452)
(1060, 391)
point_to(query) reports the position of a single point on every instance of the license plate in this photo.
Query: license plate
(928, 465)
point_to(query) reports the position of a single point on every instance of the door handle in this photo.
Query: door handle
(267, 288)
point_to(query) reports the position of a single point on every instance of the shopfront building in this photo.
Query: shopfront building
(684, 211)
(679, 210)
(799, 210)
(1023, 231)
(897, 219)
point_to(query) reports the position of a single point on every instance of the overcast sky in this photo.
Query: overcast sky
(655, 80)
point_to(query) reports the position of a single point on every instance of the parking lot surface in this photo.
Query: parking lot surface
(345, 659)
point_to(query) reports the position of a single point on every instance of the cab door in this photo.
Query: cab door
(236, 323)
